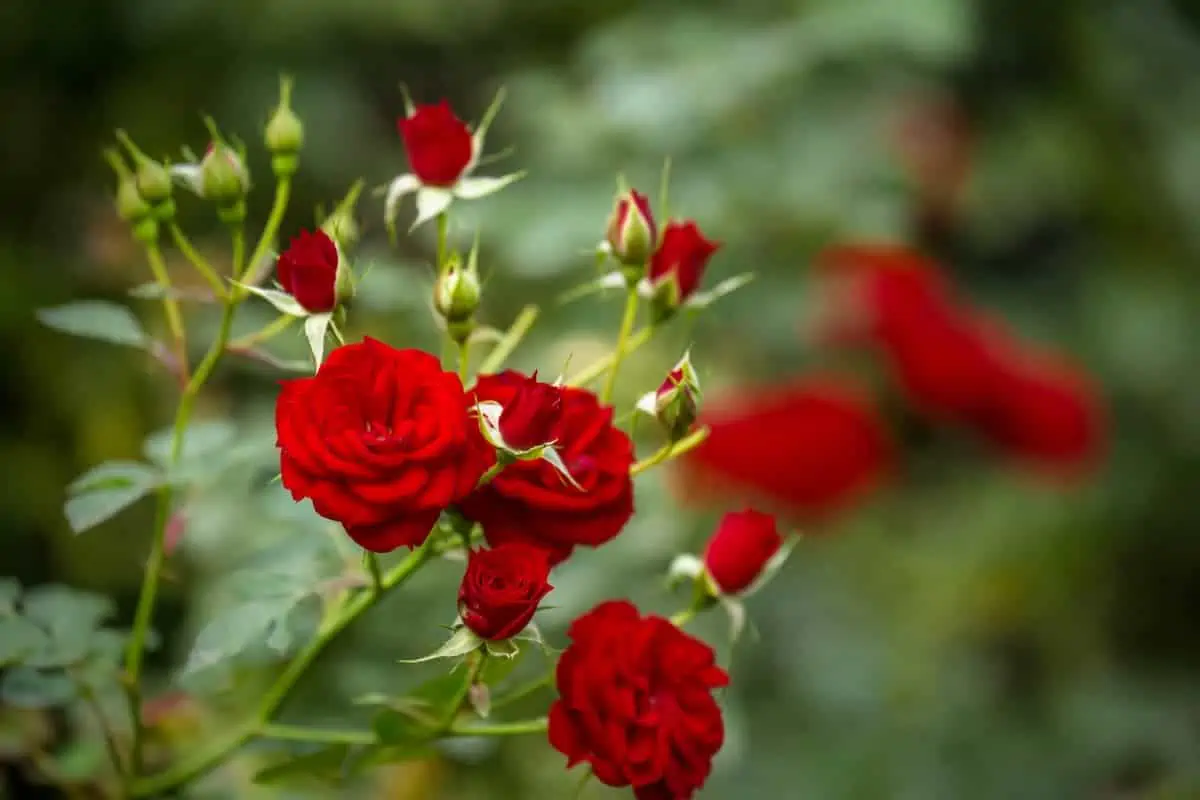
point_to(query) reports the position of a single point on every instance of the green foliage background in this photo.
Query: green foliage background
(971, 632)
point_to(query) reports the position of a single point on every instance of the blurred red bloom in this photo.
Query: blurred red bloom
(809, 447)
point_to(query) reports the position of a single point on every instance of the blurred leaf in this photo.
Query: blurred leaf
(24, 687)
(326, 765)
(417, 716)
(496, 669)
(238, 628)
(81, 760)
(461, 642)
(96, 319)
(87, 510)
(69, 618)
(114, 475)
(19, 638)
(201, 442)
(10, 590)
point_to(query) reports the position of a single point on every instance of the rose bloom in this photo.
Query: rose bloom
(381, 440)
(307, 271)
(809, 447)
(530, 501)
(502, 588)
(439, 144)
(682, 256)
(739, 550)
(635, 702)
(531, 414)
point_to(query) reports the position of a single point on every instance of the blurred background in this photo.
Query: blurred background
(970, 630)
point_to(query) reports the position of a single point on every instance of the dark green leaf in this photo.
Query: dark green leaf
(96, 319)
(377, 755)
(19, 639)
(25, 687)
(395, 727)
(324, 766)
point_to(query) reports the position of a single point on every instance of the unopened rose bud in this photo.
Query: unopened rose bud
(631, 232)
(223, 177)
(313, 271)
(284, 134)
(677, 267)
(130, 204)
(677, 402)
(457, 293)
(153, 180)
(741, 549)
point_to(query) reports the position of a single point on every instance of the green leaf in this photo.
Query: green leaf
(19, 638)
(324, 766)
(241, 627)
(394, 727)
(497, 669)
(70, 620)
(418, 715)
(116, 475)
(201, 442)
(107, 489)
(96, 319)
(10, 590)
(463, 641)
(24, 687)
(378, 755)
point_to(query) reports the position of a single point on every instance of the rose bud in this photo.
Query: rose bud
(677, 266)
(311, 271)
(530, 418)
(631, 232)
(502, 588)
(676, 402)
(130, 205)
(153, 180)
(456, 294)
(223, 175)
(739, 551)
(439, 144)
(284, 135)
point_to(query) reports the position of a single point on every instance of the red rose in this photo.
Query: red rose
(381, 440)
(631, 231)
(743, 544)
(530, 501)
(810, 447)
(502, 588)
(439, 144)
(308, 269)
(531, 415)
(1047, 413)
(635, 702)
(681, 255)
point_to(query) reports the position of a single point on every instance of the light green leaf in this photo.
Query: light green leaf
(431, 201)
(96, 319)
(24, 687)
(240, 627)
(282, 301)
(476, 188)
(201, 441)
(116, 475)
(19, 638)
(87, 510)
(315, 328)
(462, 642)
(70, 619)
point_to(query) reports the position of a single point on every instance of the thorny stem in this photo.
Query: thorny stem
(170, 305)
(145, 606)
(294, 733)
(600, 366)
(627, 320)
(198, 261)
(205, 760)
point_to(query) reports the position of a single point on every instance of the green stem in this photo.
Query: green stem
(524, 690)
(257, 267)
(600, 366)
(198, 261)
(238, 234)
(269, 331)
(110, 738)
(207, 759)
(503, 349)
(627, 320)
(475, 662)
(294, 733)
(539, 725)
(170, 305)
(371, 561)
(443, 223)
(464, 360)
(682, 618)
(670, 451)
(145, 606)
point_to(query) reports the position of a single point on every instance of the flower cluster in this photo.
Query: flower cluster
(514, 474)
